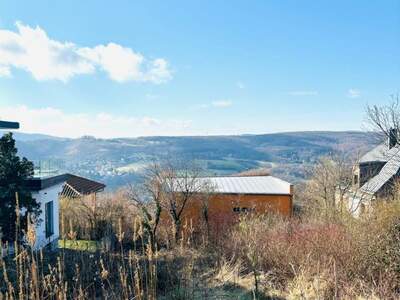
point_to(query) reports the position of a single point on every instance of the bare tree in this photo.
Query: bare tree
(147, 197)
(182, 184)
(169, 187)
(382, 119)
(330, 180)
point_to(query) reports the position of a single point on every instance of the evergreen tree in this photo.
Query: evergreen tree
(14, 173)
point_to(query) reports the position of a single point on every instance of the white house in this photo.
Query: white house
(47, 191)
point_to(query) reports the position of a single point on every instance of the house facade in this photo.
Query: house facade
(231, 196)
(47, 189)
(47, 192)
(376, 174)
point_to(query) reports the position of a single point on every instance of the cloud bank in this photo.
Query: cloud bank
(56, 122)
(30, 49)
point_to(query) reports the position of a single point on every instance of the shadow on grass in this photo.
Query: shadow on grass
(226, 291)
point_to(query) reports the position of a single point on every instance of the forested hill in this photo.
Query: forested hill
(118, 161)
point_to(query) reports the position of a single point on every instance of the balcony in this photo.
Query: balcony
(48, 168)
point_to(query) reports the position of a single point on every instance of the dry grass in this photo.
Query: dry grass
(260, 257)
(312, 259)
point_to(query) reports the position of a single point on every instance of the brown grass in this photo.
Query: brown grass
(298, 258)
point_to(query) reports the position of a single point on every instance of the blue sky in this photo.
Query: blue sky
(129, 68)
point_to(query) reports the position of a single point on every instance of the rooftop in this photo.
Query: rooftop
(390, 169)
(9, 125)
(380, 153)
(74, 185)
(257, 185)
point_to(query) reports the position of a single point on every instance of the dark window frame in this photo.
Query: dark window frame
(49, 218)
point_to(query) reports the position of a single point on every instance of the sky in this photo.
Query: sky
(139, 68)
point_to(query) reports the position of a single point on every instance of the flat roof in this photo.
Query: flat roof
(9, 125)
(40, 183)
(255, 185)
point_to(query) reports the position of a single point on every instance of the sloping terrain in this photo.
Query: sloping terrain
(119, 161)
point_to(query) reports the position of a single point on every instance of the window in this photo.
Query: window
(242, 209)
(49, 218)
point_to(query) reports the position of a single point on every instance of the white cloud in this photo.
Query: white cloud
(353, 93)
(31, 49)
(303, 93)
(159, 71)
(5, 71)
(222, 103)
(54, 121)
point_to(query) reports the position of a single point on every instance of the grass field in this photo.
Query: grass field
(81, 245)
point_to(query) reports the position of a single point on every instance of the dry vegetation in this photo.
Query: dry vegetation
(314, 255)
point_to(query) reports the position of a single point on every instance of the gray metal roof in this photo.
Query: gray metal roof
(262, 185)
(390, 169)
(380, 153)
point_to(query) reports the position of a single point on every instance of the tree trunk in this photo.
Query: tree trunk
(177, 230)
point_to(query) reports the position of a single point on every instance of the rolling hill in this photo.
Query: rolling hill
(119, 161)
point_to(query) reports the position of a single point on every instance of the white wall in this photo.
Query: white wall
(42, 197)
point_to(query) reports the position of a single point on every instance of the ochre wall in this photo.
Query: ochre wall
(221, 207)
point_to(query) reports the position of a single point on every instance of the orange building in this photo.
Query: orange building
(230, 196)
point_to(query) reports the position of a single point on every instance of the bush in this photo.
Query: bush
(97, 218)
(349, 256)
(258, 256)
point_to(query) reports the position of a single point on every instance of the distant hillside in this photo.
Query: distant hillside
(35, 136)
(119, 161)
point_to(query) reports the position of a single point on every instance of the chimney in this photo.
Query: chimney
(392, 138)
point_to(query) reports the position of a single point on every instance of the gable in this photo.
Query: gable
(390, 169)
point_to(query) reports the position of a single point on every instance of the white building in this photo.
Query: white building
(47, 191)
